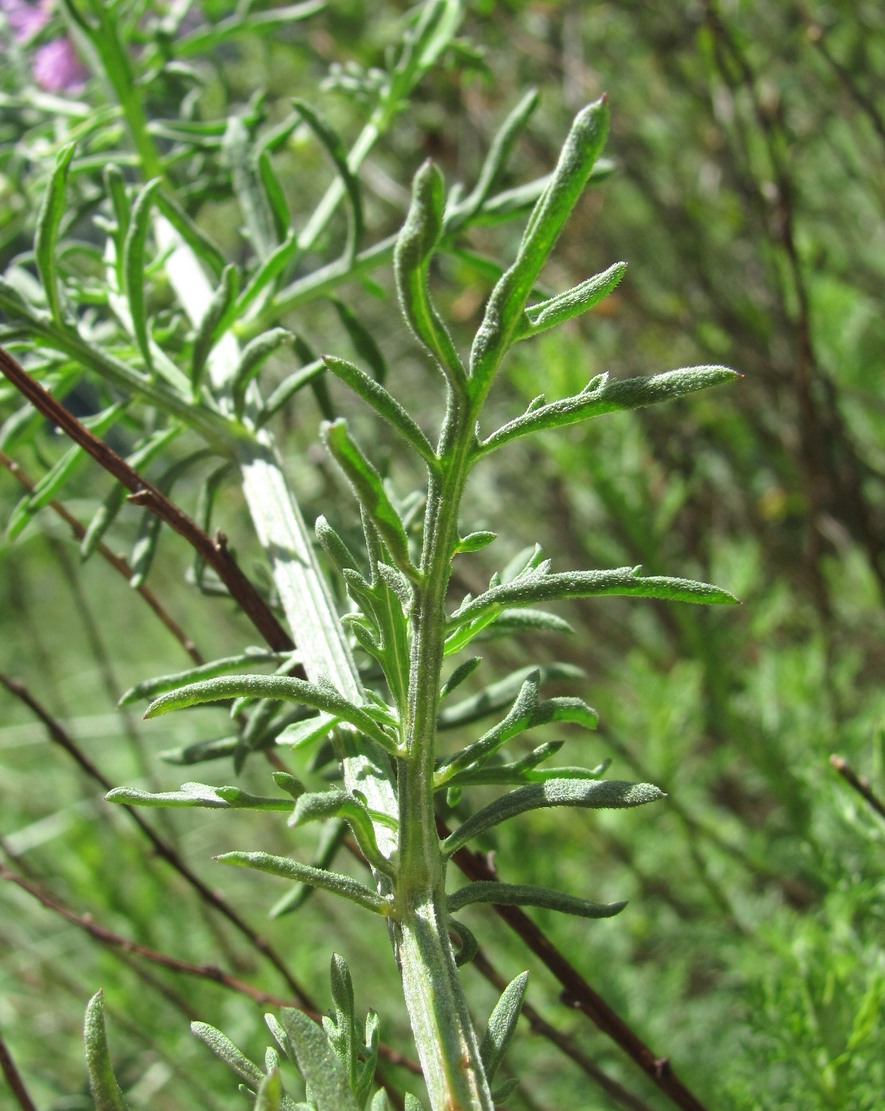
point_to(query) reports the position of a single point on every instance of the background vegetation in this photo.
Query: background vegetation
(748, 198)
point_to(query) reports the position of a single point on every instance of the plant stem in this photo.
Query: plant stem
(437, 1007)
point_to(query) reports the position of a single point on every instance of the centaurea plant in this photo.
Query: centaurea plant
(369, 690)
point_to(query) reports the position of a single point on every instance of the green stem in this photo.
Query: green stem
(437, 1007)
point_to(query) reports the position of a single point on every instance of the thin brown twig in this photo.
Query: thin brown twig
(203, 971)
(14, 1080)
(116, 561)
(162, 848)
(858, 782)
(213, 550)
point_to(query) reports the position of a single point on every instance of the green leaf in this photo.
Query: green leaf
(461, 673)
(282, 687)
(338, 552)
(564, 306)
(502, 1025)
(134, 283)
(539, 586)
(144, 548)
(526, 895)
(269, 270)
(495, 161)
(321, 805)
(300, 734)
(335, 149)
(103, 1084)
(237, 153)
(474, 542)
(213, 323)
(370, 493)
(58, 474)
(331, 840)
(198, 794)
(49, 218)
(150, 688)
(335, 882)
(603, 395)
(307, 375)
(275, 194)
(527, 712)
(254, 355)
(590, 794)
(362, 339)
(385, 405)
(504, 310)
(412, 254)
(497, 695)
(225, 1050)
(270, 1092)
(317, 1063)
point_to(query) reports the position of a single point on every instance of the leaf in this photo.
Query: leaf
(134, 268)
(103, 1084)
(321, 805)
(317, 1063)
(150, 688)
(338, 552)
(144, 548)
(461, 673)
(270, 269)
(335, 149)
(495, 161)
(225, 1050)
(214, 323)
(603, 395)
(331, 840)
(504, 310)
(502, 1025)
(198, 794)
(414, 249)
(544, 587)
(307, 375)
(270, 1092)
(275, 194)
(385, 405)
(362, 339)
(335, 882)
(564, 306)
(527, 895)
(236, 150)
(282, 687)
(370, 493)
(474, 542)
(497, 695)
(254, 355)
(527, 712)
(49, 219)
(590, 794)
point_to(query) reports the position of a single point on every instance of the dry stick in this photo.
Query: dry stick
(859, 783)
(204, 971)
(116, 561)
(212, 549)
(163, 849)
(15, 1082)
(578, 994)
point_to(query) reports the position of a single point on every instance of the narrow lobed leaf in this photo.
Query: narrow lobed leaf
(604, 395)
(502, 1025)
(527, 895)
(338, 884)
(591, 794)
(282, 687)
(49, 219)
(106, 1092)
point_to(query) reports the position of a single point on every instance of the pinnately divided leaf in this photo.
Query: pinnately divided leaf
(537, 586)
(603, 395)
(592, 794)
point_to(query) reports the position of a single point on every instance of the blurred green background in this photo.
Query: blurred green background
(748, 198)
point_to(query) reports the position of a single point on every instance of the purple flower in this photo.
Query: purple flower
(58, 69)
(24, 20)
(55, 67)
